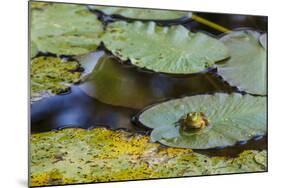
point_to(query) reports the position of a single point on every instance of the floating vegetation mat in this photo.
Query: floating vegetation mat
(39, 5)
(52, 75)
(206, 121)
(99, 155)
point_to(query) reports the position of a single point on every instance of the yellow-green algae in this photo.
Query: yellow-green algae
(79, 156)
(52, 75)
(39, 5)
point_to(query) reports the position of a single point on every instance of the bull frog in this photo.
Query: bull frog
(193, 121)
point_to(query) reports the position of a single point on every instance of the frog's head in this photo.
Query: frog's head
(194, 121)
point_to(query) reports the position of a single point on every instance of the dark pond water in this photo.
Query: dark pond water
(115, 92)
(229, 21)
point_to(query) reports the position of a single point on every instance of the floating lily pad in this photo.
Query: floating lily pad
(33, 49)
(51, 75)
(263, 40)
(246, 69)
(163, 49)
(141, 13)
(65, 29)
(230, 118)
(101, 155)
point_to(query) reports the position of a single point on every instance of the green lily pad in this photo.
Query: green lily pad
(231, 118)
(65, 29)
(263, 40)
(141, 13)
(73, 156)
(246, 69)
(163, 49)
(33, 49)
(51, 75)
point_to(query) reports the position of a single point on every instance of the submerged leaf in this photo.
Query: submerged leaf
(163, 49)
(246, 69)
(119, 84)
(141, 13)
(101, 155)
(52, 75)
(65, 29)
(113, 84)
(231, 118)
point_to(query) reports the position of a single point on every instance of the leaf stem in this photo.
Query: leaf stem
(210, 23)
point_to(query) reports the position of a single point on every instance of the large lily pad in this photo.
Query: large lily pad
(232, 118)
(65, 29)
(141, 13)
(246, 69)
(163, 49)
(51, 75)
(101, 155)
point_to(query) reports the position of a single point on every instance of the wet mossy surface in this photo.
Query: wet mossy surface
(99, 155)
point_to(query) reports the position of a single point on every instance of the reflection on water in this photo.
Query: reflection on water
(234, 151)
(230, 21)
(78, 110)
(112, 94)
(123, 85)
